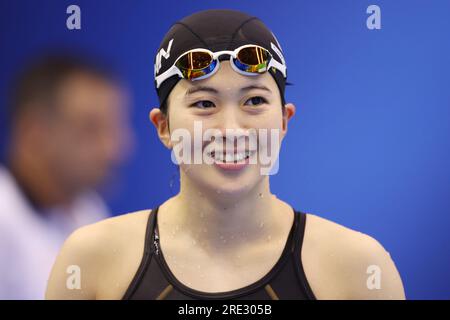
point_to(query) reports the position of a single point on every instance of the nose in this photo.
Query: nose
(230, 118)
(233, 126)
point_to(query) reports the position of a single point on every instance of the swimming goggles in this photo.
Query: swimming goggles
(197, 64)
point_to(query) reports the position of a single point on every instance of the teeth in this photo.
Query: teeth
(231, 157)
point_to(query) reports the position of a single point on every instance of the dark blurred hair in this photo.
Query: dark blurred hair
(38, 83)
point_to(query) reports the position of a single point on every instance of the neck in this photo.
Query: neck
(217, 220)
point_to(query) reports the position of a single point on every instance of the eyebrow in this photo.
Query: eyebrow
(195, 89)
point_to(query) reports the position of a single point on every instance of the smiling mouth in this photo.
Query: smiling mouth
(231, 157)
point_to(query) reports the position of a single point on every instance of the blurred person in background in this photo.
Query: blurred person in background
(69, 130)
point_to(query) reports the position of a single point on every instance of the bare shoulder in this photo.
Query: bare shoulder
(341, 263)
(115, 228)
(98, 251)
(109, 233)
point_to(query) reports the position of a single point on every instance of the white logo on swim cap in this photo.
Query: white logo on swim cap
(162, 53)
(278, 51)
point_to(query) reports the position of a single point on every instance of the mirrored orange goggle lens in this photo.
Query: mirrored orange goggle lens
(253, 56)
(195, 60)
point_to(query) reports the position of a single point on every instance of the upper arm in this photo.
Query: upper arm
(341, 263)
(372, 273)
(77, 267)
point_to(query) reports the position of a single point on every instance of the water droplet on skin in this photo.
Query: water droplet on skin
(198, 266)
(269, 237)
(261, 195)
(177, 228)
(224, 240)
(261, 224)
(194, 242)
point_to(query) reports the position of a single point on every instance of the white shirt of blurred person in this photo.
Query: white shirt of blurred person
(62, 145)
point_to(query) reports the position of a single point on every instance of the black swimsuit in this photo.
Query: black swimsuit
(286, 280)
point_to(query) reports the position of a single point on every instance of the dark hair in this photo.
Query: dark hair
(40, 80)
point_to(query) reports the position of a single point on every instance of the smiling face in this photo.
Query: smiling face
(227, 100)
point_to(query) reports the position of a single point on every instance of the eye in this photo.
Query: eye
(203, 104)
(257, 100)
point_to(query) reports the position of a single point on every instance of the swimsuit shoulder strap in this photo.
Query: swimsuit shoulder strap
(146, 258)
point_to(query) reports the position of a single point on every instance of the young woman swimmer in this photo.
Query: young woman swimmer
(224, 235)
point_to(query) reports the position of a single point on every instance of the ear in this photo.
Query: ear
(161, 123)
(289, 111)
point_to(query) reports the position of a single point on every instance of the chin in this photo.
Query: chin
(227, 183)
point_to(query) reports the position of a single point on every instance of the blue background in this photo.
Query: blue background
(369, 146)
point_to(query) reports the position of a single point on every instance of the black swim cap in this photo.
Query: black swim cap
(216, 30)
